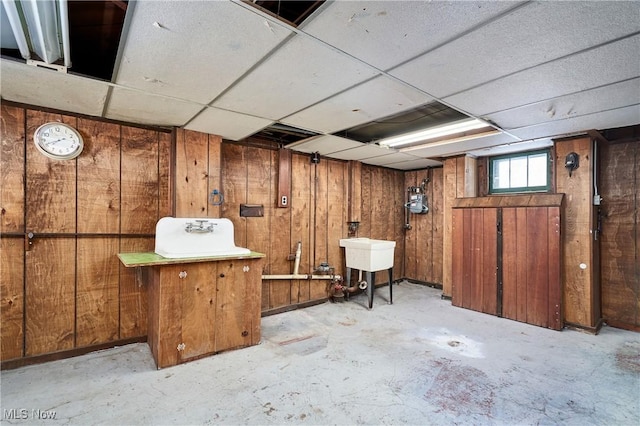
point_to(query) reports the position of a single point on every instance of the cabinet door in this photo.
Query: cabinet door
(238, 304)
(475, 259)
(198, 310)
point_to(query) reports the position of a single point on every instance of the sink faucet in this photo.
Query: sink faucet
(199, 227)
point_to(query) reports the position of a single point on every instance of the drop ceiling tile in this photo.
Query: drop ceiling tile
(512, 147)
(416, 164)
(229, 125)
(361, 152)
(531, 35)
(299, 74)
(36, 86)
(145, 108)
(444, 149)
(621, 117)
(386, 33)
(193, 50)
(324, 144)
(607, 64)
(376, 98)
(392, 158)
(602, 98)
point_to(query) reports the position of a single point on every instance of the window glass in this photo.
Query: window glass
(521, 172)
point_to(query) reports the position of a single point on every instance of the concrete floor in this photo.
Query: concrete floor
(418, 361)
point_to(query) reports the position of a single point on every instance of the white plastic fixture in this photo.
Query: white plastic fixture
(366, 254)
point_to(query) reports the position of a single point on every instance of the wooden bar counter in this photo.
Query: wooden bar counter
(199, 306)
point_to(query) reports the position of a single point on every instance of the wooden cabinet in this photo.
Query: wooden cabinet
(507, 257)
(198, 309)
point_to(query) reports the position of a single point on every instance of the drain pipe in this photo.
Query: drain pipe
(298, 276)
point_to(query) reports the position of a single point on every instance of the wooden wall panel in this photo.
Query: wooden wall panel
(619, 183)
(133, 295)
(215, 173)
(355, 191)
(337, 196)
(522, 257)
(510, 248)
(12, 169)
(51, 184)
(457, 262)
(12, 298)
(554, 264)
(165, 175)
(280, 246)
(537, 266)
(97, 294)
(259, 186)
(300, 224)
(489, 263)
(139, 181)
(234, 176)
(99, 178)
(437, 213)
(192, 171)
(398, 220)
(50, 296)
(580, 306)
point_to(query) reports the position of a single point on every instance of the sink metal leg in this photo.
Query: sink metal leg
(390, 283)
(348, 281)
(371, 278)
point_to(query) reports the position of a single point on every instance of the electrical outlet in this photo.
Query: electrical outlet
(284, 200)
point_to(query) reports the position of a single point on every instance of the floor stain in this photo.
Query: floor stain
(461, 390)
(628, 357)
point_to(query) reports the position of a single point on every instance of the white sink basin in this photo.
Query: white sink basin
(182, 237)
(366, 254)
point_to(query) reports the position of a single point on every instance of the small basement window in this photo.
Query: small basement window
(521, 172)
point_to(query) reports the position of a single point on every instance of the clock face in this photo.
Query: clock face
(58, 141)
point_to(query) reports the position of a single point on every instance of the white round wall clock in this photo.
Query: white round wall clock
(58, 141)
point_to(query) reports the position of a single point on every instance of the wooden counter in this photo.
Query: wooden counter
(200, 306)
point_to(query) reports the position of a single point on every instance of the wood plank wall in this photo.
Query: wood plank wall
(423, 260)
(581, 285)
(456, 172)
(82, 212)
(619, 184)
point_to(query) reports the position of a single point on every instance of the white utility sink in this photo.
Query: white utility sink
(183, 237)
(367, 254)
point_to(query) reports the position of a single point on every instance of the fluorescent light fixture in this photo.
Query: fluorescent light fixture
(16, 26)
(433, 132)
(41, 27)
(450, 141)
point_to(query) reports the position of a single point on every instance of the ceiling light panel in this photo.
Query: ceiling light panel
(602, 98)
(386, 33)
(607, 64)
(446, 149)
(299, 74)
(229, 125)
(496, 49)
(366, 102)
(36, 86)
(144, 108)
(193, 50)
(433, 133)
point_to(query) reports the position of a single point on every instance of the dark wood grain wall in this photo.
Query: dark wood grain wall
(619, 185)
(63, 223)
